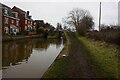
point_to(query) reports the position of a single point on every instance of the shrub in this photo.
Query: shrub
(40, 30)
(109, 35)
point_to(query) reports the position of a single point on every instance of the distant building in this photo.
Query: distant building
(39, 23)
(26, 22)
(16, 20)
(48, 26)
(10, 20)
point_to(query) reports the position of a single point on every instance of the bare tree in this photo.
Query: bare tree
(77, 17)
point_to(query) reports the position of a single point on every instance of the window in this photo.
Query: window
(17, 23)
(29, 28)
(6, 20)
(11, 30)
(18, 30)
(25, 27)
(28, 22)
(25, 15)
(16, 14)
(6, 29)
(6, 11)
(12, 21)
(25, 21)
(34, 23)
(31, 22)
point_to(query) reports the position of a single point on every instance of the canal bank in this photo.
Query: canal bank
(13, 38)
(55, 35)
(82, 62)
(6, 38)
(61, 62)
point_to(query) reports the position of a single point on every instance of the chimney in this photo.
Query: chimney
(27, 13)
(30, 17)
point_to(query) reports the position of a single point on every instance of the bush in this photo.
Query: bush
(40, 30)
(108, 35)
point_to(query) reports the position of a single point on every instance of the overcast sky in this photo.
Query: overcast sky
(53, 12)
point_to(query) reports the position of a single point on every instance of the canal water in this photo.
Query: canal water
(29, 58)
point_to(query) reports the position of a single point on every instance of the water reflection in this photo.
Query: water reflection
(43, 44)
(20, 51)
(29, 58)
(14, 52)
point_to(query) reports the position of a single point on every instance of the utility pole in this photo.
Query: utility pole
(100, 17)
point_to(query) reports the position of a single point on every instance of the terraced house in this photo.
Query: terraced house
(10, 20)
(16, 20)
(26, 22)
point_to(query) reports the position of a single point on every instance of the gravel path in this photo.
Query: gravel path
(79, 66)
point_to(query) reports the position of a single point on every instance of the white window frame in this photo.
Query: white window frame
(16, 14)
(6, 20)
(34, 23)
(28, 22)
(6, 11)
(17, 23)
(6, 30)
(12, 21)
(25, 21)
(25, 15)
(26, 27)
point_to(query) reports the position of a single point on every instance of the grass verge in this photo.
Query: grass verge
(52, 37)
(104, 57)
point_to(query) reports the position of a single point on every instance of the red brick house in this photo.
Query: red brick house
(26, 22)
(10, 20)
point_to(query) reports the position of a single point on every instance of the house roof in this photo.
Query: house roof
(3, 5)
(39, 21)
(19, 10)
(22, 12)
(10, 11)
(6, 7)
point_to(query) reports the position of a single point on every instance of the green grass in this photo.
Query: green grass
(56, 70)
(52, 37)
(103, 55)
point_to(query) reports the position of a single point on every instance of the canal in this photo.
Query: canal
(29, 58)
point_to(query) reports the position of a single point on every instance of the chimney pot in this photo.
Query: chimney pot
(27, 13)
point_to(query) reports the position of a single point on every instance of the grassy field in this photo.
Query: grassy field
(103, 55)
